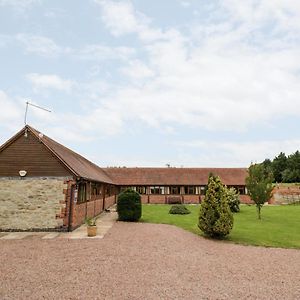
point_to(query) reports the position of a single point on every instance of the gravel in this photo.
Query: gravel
(146, 261)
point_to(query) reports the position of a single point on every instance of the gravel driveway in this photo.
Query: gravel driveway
(146, 261)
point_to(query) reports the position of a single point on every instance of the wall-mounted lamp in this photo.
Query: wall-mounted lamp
(22, 173)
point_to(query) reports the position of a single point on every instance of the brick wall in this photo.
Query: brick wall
(245, 199)
(285, 194)
(191, 199)
(33, 203)
(109, 201)
(91, 208)
(157, 199)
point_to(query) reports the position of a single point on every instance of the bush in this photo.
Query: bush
(179, 210)
(215, 218)
(233, 199)
(129, 206)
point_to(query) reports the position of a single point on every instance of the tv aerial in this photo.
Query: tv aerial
(34, 105)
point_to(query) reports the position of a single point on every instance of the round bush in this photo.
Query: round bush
(129, 206)
(179, 210)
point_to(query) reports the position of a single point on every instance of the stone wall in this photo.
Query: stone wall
(283, 194)
(32, 203)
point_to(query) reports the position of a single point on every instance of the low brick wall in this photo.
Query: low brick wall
(91, 208)
(245, 199)
(191, 199)
(285, 194)
(157, 199)
(32, 203)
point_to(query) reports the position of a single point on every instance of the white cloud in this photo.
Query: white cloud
(41, 45)
(102, 53)
(233, 154)
(19, 4)
(229, 78)
(122, 18)
(49, 81)
(136, 69)
(184, 3)
(10, 112)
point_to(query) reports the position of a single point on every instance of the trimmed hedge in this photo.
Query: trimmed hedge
(129, 206)
(179, 210)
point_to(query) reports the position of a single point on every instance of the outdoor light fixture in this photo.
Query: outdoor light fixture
(22, 173)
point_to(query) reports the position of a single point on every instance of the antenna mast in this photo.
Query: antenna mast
(26, 110)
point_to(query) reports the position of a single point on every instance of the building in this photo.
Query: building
(176, 185)
(46, 186)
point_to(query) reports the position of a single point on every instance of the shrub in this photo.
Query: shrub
(129, 206)
(215, 218)
(179, 210)
(233, 198)
(89, 221)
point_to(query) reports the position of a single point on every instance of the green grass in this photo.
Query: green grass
(279, 227)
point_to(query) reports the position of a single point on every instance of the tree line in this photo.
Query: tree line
(284, 168)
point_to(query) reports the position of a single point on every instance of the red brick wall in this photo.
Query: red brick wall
(157, 199)
(191, 199)
(144, 199)
(245, 199)
(89, 209)
(285, 194)
(109, 201)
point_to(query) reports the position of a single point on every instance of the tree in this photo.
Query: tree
(259, 185)
(279, 164)
(292, 171)
(215, 217)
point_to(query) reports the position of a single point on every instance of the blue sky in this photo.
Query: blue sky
(146, 83)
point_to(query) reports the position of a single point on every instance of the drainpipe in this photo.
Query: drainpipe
(71, 208)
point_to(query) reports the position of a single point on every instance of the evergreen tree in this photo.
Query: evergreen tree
(215, 218)
(259, 185)
(292, 171)
(279, 165)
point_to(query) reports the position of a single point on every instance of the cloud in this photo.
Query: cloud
(40, 45)
(102, 53)
(122, 18)
(225, 74)
(49, 81)
(10, 111)
(233, 154)
(19, 4)
(136, 69)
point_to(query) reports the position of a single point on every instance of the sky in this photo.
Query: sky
(189, 83)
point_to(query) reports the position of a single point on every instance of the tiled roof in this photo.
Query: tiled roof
(77, 164)
(175, 176)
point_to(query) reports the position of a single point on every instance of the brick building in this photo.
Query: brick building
(46, 186)
(170, 185)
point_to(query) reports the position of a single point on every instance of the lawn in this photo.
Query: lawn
(279, 227)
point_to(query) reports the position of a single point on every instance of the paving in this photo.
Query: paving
(104, 223)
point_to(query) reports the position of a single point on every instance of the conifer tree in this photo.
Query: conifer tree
(215, 218)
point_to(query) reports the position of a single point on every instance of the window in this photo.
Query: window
(96, 189)
(81, 192)
(174, 190)
(190, 190)
(202, 190)
(141, 190)
(157, 190)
